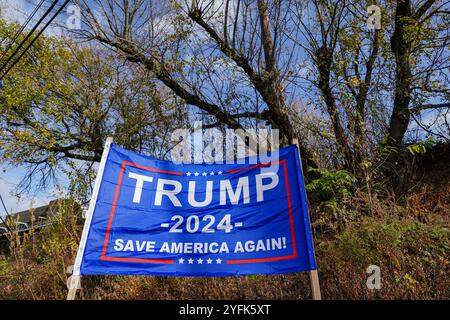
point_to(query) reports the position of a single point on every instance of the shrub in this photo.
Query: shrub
(329, 191)
(332, 185)
(413, 258)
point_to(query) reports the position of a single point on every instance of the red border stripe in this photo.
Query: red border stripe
(151, 169)
(113, 209)
(255, 166)
(141, 260)
(291, 219)
(170, 261)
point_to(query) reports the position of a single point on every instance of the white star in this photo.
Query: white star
(200, 261)
(220, 172)
(181, 261)
(188, 174)
(211, 173)
(209, 261)
(196, 174)
(218, 261)
(191, 261)
(204, 174)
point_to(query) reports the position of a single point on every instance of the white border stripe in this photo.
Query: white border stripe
(90, 212)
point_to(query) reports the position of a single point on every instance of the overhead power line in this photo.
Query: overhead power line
(7, 214)
(22, 28)
(3, 66)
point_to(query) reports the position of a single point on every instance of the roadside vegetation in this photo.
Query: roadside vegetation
(409, 241)
(368, 103)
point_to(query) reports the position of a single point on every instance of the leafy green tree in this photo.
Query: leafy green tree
(371, 82)
(60, 103)
(420, 46)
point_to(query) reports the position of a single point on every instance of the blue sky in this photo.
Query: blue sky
(9, 177)
(16, 9)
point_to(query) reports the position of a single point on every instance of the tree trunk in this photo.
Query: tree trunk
(401, 47)
(324, 60)
(272, 88)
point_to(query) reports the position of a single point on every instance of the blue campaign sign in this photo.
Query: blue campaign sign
(154, 217)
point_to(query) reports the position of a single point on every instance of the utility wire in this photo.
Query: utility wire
(2, 67)
(22, 28)
(7, 214)
(35, 38)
